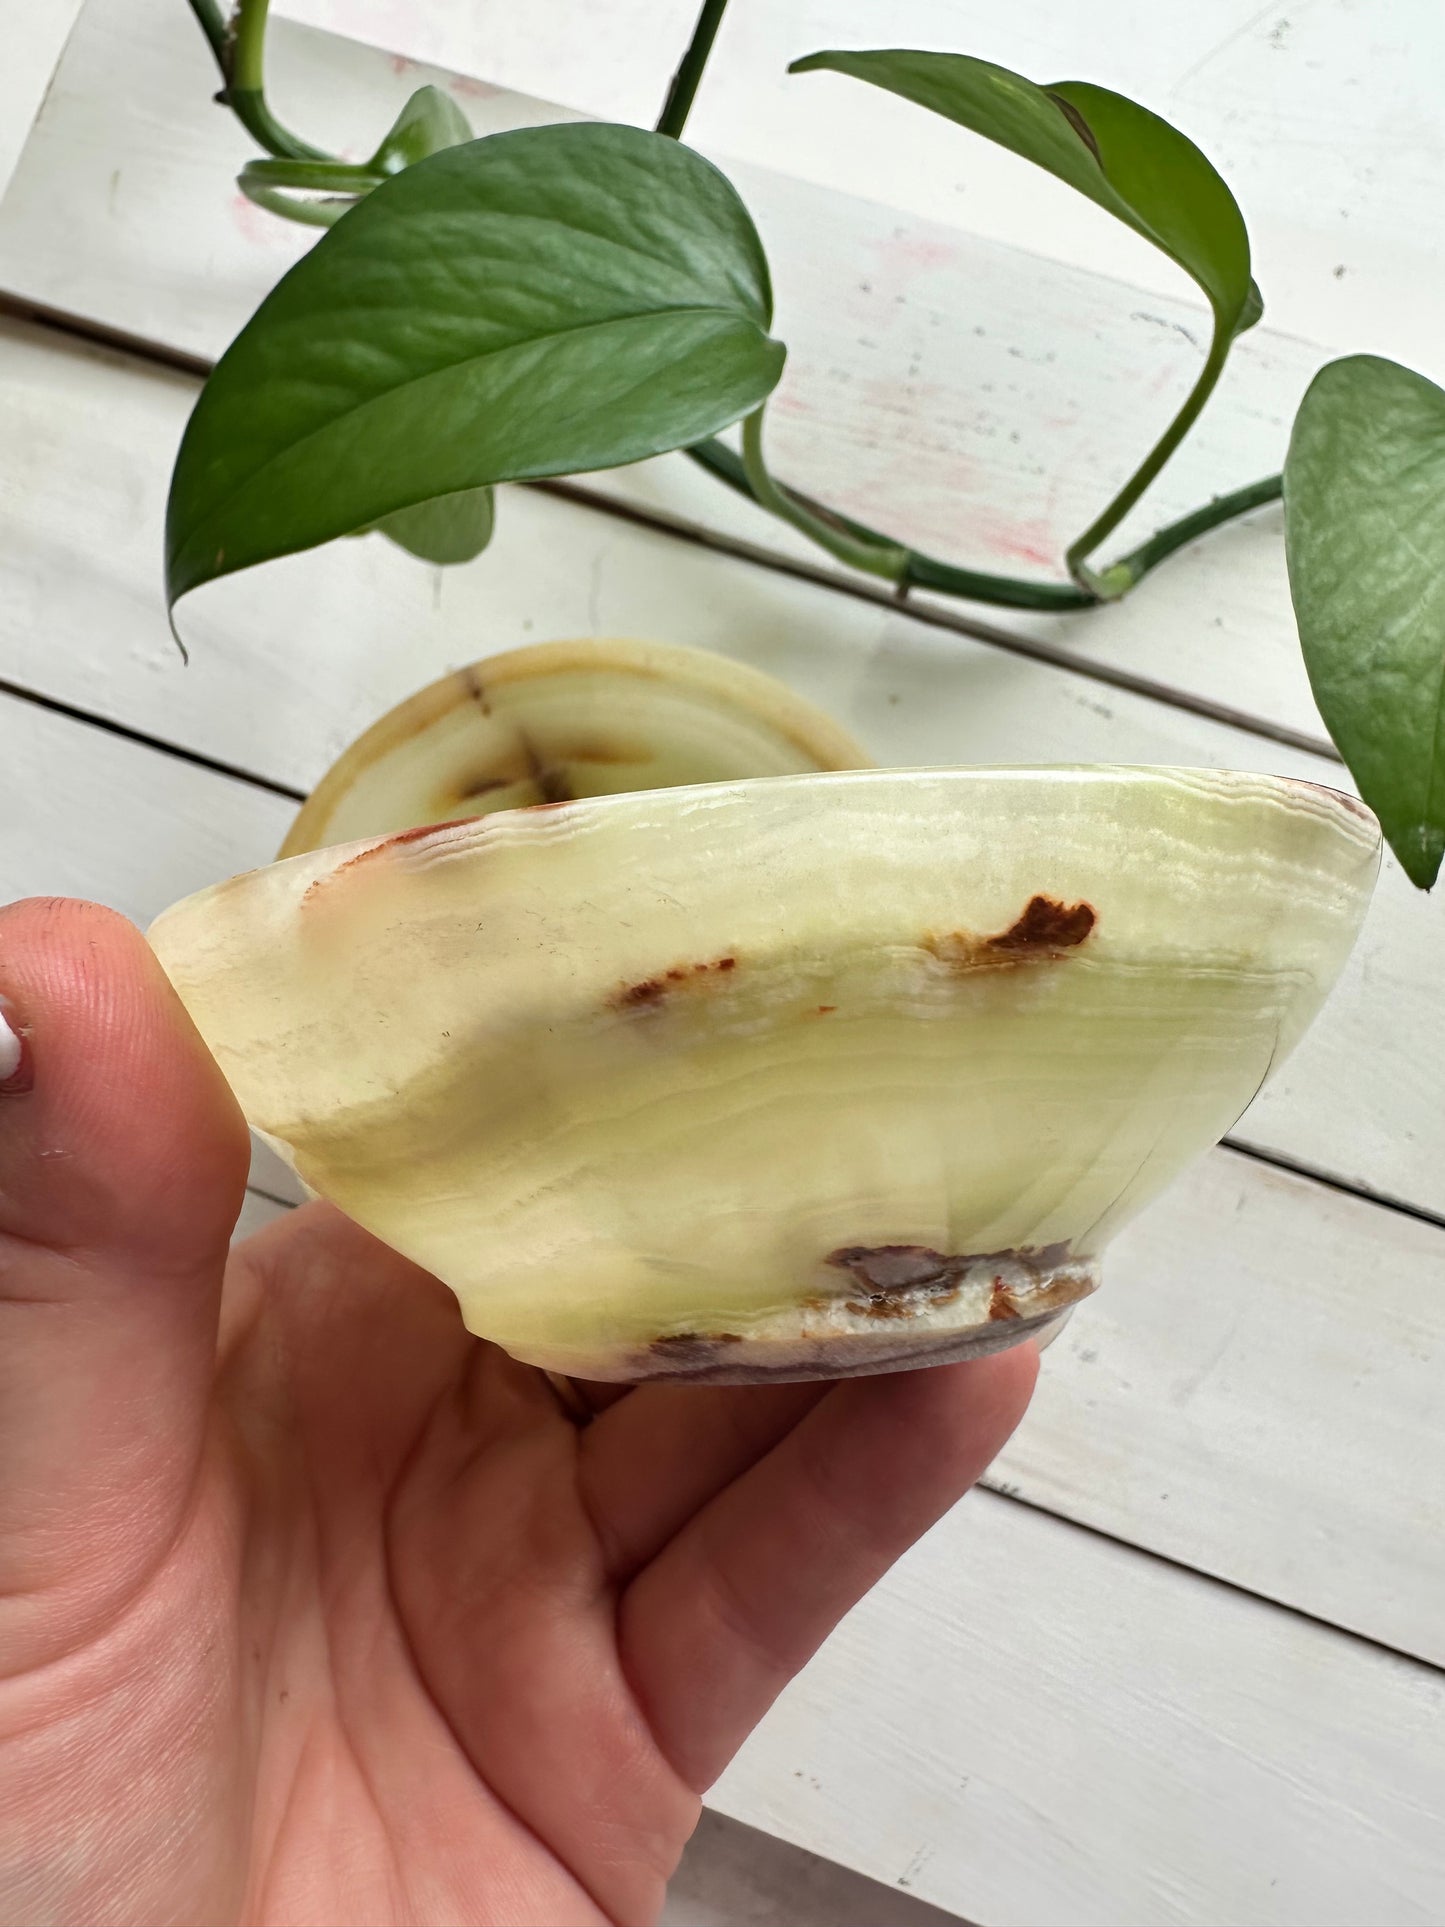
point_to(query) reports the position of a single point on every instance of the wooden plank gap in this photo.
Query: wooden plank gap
(1012, 1495)
(100, 335)
(1382, 1200)
(75, 714)
(271, 1197)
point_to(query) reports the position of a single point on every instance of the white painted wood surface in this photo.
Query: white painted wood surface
(1041, 1726)
(1028, 1722)
(33, 38)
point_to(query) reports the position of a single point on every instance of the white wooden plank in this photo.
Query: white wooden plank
(1028, 1723)
(87, 814)
(962, 394)
(33, 38)
(1259, 1380)
(1302, 108)
(1232, 1352)
(290, 662)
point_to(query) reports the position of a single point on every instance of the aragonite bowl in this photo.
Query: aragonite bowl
(791, 1077)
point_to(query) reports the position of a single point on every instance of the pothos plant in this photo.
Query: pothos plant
(580, 296)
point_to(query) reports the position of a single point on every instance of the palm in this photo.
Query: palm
(349, 1619)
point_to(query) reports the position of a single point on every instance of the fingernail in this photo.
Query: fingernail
(17, 1073)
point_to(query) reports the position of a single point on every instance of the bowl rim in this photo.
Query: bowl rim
(681, 797)
(747, 690)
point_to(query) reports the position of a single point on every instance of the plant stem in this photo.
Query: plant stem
(240, 51)
(319, 213)
(678, 105)
(315, 177)
(872, 554)
(213, 26)
(1001, 591)
(1110, 518)
(919, 571)
(1121, 576)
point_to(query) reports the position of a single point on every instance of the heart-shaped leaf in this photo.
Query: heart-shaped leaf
(453, 528)
(534, 303)
(429, 122)
(1145, 172)
(1364, 500)
(1125, 159)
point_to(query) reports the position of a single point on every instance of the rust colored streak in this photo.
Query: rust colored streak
(1045, 929)
(1000, 1303)
(651, 990)
(826, 1010)
(1046, 925)
(550, 780)
(388, 848)
(477, 690)
(901, 1280)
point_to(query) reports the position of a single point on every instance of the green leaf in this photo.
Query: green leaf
(1364, 500)
(429, 122)
(1125, 159)
(453, 528)
(535, 303)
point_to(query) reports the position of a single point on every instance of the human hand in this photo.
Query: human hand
(314, 1608)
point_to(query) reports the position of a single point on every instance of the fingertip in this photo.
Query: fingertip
(122, 1129)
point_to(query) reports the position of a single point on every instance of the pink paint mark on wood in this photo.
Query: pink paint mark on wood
(1016, 545)
(918, 252)
(788, 402)
(399, 63)
(1006, 539)
(901, 259)
(258, 229)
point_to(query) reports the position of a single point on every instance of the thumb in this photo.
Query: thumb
(123, 1161)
